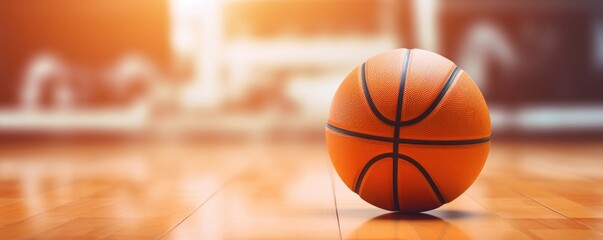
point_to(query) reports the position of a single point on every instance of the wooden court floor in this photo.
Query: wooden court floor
(282, 191)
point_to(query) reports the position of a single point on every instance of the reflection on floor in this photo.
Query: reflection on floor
(282, 191)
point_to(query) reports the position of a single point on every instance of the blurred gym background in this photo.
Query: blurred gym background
(267, 70)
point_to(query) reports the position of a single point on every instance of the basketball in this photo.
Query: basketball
(408, 130)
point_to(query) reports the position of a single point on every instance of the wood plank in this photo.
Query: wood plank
(567, 234)
(283, 195)
(117, 193)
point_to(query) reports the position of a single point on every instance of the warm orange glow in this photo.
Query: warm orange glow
(121, 118)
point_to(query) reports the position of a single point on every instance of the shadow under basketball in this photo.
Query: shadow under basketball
(407, 226)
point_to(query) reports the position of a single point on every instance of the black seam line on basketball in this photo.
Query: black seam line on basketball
(437, 101)
(369, 99)
(408, 159)
(426, 175)
(359, 135)
(367, 167)
(408, 141)
(397, 128)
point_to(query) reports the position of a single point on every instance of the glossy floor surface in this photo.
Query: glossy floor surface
(282, 191)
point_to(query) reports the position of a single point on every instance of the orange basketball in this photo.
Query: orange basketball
(408, 130)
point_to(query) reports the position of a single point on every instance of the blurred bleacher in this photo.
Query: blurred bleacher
(268, 69)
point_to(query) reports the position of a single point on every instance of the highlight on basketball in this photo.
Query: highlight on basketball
(302, 119)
